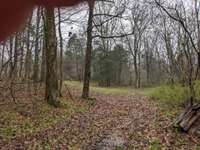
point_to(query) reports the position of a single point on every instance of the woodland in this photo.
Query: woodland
(103, 75)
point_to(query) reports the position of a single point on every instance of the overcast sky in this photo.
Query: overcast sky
(77, 27)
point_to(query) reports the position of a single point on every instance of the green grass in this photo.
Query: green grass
(166, 96)
(171, 95)
(155, 145)
(112, 90)
(175, 95)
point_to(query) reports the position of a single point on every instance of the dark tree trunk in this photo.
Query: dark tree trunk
(21, 58)
(28, 60)
(15, 67)
(36, 61)
(43, 63)
(52, 91)
(139, 73)
(61, 53)
(88, 56)
(2, 59)
(136, 71)
(11, 57)
(119, 74)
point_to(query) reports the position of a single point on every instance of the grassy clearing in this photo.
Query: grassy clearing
(167, 97)
(112, 90)
(16, 121)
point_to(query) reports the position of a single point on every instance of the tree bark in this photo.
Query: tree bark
(52, 91)
(43, 42)
(28, 60)
(16, 48)
(36, 61)
(11, 57)
(88, 56)
(61, 53)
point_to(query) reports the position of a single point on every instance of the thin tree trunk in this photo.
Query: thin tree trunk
(88, 56)
(36, 62)
(139, 73)
(21, 57)
(15, 69)
(43, 64)
(2, 59)
(11, 57)
(28, 59)
(61, 53)
(136, 71)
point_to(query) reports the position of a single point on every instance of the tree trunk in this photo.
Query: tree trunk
(61, 53)
(28, 60)
(11, 57)
(136, 71)
(21, 58)
(52, 91)
(139, 73)
(15, 66)
(43, 63)
(88, 56)
(2, 59)
(36, 61)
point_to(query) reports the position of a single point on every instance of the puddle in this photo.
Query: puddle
(111, 142)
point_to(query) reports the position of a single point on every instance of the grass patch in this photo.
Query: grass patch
(112, 90)
(171, 95)
(175, 95)
(14, 123)
(155, 145)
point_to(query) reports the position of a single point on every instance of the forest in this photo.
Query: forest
(102, 75)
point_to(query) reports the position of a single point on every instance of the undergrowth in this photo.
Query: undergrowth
(174, 95)
(19, 121)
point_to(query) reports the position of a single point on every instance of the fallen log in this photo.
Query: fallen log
(189, 120)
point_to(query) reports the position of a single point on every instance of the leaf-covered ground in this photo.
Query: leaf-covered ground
(111, 121)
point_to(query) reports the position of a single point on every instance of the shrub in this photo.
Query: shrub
(171, 95)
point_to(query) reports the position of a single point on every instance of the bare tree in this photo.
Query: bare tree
(52, 91)
(88, 54)
(36, 60)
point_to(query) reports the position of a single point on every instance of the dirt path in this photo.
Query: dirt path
(115, 122)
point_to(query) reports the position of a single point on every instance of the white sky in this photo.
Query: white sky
(82, 16)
